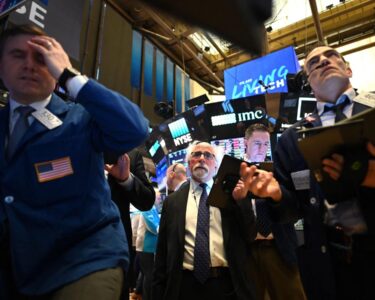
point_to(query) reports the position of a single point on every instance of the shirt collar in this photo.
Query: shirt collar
(196, 184)
(13, 104)
(350, 93)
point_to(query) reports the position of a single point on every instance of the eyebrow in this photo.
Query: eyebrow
(323, 53)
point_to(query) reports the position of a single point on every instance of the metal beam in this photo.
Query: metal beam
(165, 26)
(315, 14)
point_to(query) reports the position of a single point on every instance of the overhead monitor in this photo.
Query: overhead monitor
(229, 119)
(295, 106)
(306, 105)
(155, 146)
(178, 156)
(265, 74)
(184, 128)
(161, 173)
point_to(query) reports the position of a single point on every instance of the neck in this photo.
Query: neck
(331, 96)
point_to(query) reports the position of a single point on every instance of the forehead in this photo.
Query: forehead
(18, 41)
(318, 51)
(264, 135)
(203, 147)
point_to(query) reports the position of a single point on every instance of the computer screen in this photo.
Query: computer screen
(155, 146)
(161, 173)
(234, 147)
(306, 105)
(178, 156)
(267, 73)
(183, 129)
(295, 106)
(229, 119)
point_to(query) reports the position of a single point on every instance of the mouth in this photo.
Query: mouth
(28, 79)
(327, 69)
(200, 168)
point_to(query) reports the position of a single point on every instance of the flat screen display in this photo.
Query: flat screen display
(178, 156)
(155, 146)
(234, 147)
(183, 129)
(306, 105)
(229, 119)
(267, 73)
(161, 173)
(295, 106)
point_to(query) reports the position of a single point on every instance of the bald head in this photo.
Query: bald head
(176, 174)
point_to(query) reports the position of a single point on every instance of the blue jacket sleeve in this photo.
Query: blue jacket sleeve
(121, 125)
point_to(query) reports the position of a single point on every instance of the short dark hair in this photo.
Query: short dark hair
(255, 127)
(18, 30)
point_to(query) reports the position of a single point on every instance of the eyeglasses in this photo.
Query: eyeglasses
(207, 155)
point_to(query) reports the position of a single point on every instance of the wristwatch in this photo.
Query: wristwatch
(65, 75)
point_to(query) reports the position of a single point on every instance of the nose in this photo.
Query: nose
(323, 60)
(29, 62)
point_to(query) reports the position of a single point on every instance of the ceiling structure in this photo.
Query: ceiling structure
(205, 56)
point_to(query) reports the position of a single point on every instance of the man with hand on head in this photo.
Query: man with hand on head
(331, 268)
(176, 176)
(202, 250)
(66, 237)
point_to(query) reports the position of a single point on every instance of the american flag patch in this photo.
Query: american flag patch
(53, 169)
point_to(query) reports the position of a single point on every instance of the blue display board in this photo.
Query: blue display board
(267, 73)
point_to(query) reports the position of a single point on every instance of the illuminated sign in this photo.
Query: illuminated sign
(233, 118)
(180, 132)
(154, 148)
(267, 73)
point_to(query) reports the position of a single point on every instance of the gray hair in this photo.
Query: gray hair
(218, 151)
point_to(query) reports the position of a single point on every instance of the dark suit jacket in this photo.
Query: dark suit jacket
(238, 224)
(309, 205)
(142, 196)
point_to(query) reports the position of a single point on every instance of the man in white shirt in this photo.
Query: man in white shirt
(202, 250)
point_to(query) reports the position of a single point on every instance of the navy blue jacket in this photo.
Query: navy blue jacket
(307, 204)
(65, 228)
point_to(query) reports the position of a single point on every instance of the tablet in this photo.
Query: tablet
(227, 178)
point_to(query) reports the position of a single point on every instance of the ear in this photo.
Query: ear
(349, 72)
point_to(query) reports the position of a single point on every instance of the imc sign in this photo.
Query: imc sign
(267, 73)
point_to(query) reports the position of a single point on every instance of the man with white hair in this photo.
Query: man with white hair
(201, 252)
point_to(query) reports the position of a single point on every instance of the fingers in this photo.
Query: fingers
(333, 166)
(55, 57)
(43, 43)
(247, 172)
(108, 168)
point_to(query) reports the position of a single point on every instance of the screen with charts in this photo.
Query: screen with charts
(161, 173)
(178, 157)
(234, 147)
